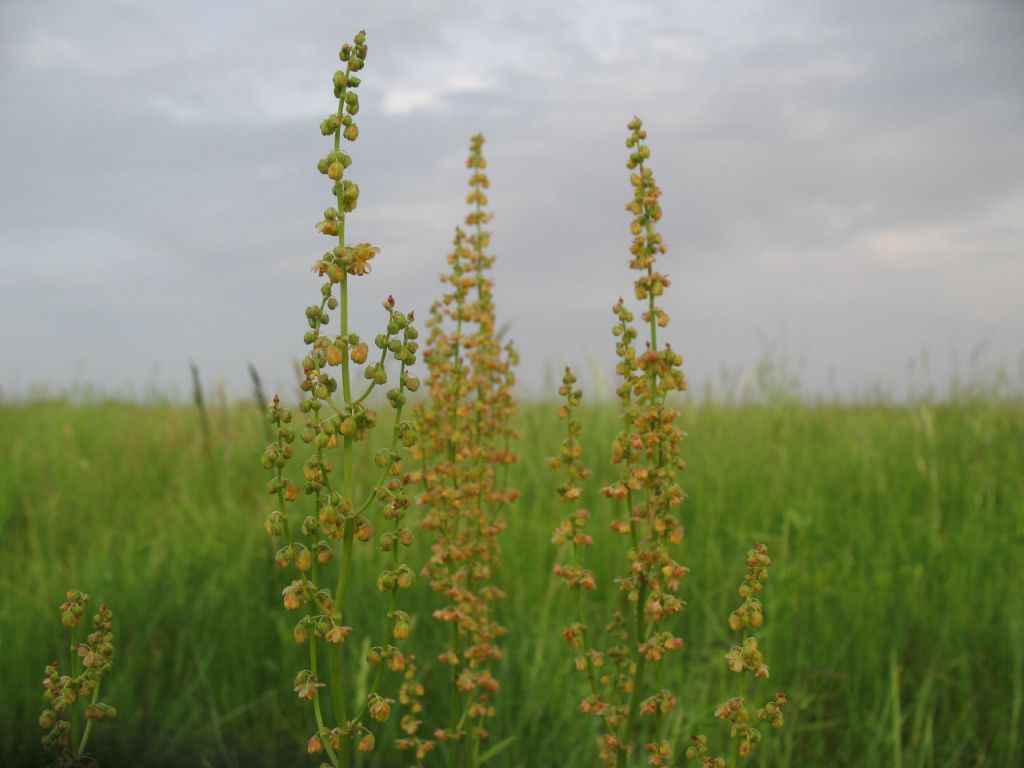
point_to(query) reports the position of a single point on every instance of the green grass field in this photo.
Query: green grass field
(895, 607)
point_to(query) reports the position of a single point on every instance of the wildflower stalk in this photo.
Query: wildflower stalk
(467, 435)
(89, 661)
(647, 213)
(647, 450)
(572, 530)
(73, 663)
(743, 659)
(333, 427)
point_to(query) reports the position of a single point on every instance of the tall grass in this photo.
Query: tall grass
(897, 605)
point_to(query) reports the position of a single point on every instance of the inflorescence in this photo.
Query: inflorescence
(626, 692)
(464, 452)
(90, 659)
(335, 418)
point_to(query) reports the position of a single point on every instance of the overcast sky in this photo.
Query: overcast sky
(843, 182)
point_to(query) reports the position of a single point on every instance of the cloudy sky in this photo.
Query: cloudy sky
(843, 182)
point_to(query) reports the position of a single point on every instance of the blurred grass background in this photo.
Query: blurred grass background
(895, 605)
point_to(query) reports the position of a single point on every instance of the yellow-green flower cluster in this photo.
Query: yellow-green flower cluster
(745, 657)
(90, 659)
(335, 417)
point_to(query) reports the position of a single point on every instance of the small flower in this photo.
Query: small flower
(366, 742)
(355, 259)
(337, 634)
(379, 707)
(306, 685)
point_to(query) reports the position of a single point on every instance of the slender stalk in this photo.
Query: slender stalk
(628, 738)
(641, 632)
(317, 714)
(337, 659)
(734, 750)
(335, 419)
(73, 666)
(88, 722)
(389, 622)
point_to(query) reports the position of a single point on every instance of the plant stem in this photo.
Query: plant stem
(734, 755)
(628, 736)
(336, 659)
(455, 752)
(316, 704)
(581, 614)
(638, 681)
(389, 623)
(88, 722)
(73, 665)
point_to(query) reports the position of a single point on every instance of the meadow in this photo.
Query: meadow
(895, 607)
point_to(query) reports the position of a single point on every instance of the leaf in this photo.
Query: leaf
(496, 750)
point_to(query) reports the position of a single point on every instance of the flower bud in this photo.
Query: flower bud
(405, 574)
(366, 742)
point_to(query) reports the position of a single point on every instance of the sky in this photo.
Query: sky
(843, 184)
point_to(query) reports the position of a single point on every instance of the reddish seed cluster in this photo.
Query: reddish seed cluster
(464, 454)
(648, 446)
(571, 531)
(647, 452)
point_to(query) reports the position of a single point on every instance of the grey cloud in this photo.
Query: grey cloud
(843, 180)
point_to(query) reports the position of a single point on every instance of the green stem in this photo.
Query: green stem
(317, 714)
(455, 751)
(370, 387)
(628, 736)
(581, 614)
(734, 752)
(280, 486)
(88, 722)
(473, 745)
(346, 564)
(658, 717)
(73, 665)
(389, 623)
(335, 664)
